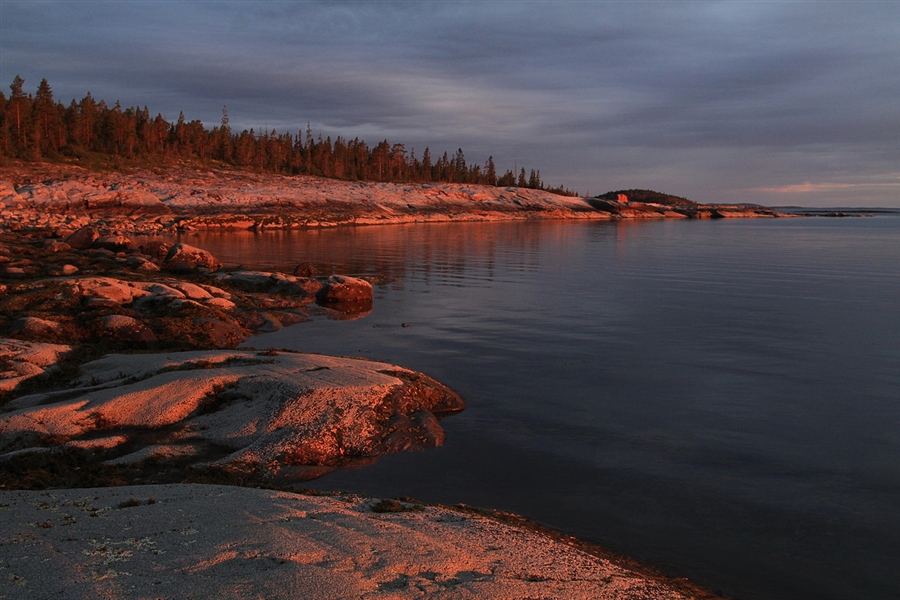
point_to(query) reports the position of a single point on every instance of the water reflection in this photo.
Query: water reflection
(717, 397)
(439, 253)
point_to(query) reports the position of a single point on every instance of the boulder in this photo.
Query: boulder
(340, 288)
(24, 360)
(271, 283)
(83, 239)
(183, 258)
(139, 263)
(122, 328)
(114, 243)
(156, 249)
(106, 291)
(56, 246)
(34, 327)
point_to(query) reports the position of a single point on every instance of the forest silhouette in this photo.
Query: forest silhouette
(91, 133)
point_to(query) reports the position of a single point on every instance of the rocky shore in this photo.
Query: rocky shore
(169, 200)
(119, 379)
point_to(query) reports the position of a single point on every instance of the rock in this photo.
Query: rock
(83, 239)
(215, 541)
(24, 360)
(106, 291)
(13, 272)
(220, 303)
(221, 333)
(139, 263)
(122, 328)
(271, 283)
(340, 288)
(305, 270)
(68, 270)
(56, 246)
(191, 291)
(34, 327)
(263, 322)
(242, 409)
(114, 243)
(156, 249)
(185, 258)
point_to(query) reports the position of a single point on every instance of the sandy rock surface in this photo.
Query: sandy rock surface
(274, 413)
(192, 541)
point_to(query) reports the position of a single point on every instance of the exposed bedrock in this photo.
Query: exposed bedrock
(267, 413)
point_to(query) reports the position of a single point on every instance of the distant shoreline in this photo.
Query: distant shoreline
(171, 200)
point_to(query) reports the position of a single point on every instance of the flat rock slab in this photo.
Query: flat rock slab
(197, 541)
(257, 412)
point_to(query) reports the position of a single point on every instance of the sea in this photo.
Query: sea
(719, 399)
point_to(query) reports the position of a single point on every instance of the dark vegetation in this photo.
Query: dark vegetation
(649, 196)
(94, 135)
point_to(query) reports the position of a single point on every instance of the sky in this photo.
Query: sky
(776, 103)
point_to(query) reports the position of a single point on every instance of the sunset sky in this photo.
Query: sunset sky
(776, 103)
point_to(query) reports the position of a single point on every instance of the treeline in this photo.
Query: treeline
(37, 127)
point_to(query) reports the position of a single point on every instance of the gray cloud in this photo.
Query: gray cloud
(741, 101)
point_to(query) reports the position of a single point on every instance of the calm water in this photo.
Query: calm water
(721, 399)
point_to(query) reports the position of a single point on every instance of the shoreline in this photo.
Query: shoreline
(172, 200)
(147, 288)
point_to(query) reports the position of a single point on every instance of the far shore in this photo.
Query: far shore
(173, 199)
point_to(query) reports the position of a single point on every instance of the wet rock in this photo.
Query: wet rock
(413, 431)
(185, 258)
(271, 283)
(83, 239)
(263, 322)
(340, 288)
(305, 270)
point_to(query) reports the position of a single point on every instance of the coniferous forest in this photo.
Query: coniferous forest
(39, 128)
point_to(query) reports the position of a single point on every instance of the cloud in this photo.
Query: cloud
(825, 187)
(704, 99)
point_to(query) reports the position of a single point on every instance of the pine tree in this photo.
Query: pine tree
(490, 172)
(18, 111)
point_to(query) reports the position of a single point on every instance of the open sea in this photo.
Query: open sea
(720, 399)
